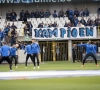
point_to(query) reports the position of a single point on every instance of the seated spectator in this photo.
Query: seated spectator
(93, 23)
(97, 20)
(82, 13)
(8, 16)
(37, 14)
(41, 14)
(80, 24)
(40, 25)
(32, 14)
(71, 15)
(61, 13)
(13, 16)
(21, 15)
(47, 14)
(83, 21)
(27, 15)
(67, 12)
(1, 36)
(98, 11)
(75, 21)
(89, 22)
(54, 25)
(13, 26)
(86, 12)
(50, 25)
(76, 12)
(45, 26)
(55, 14)
(69, 24)
(66, 25)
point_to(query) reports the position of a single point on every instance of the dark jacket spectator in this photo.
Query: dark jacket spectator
(75, 21)
(47, 14)
(83, 21)
(97, 21)
(66, 25)
(86, 12)
(13, 26)
(98, 11)
(8, 16)
(41, 14)
(37, 14)
(89, 22)
(32, 14)
(27, 15)
(55, 14)
(71, 15)
(13, 16)
(67, 12)
(40, 25)
(61, 13)
(93, 23)
(54, 25)
(76, 12)
(22, 15)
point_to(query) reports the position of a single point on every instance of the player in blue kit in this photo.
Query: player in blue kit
(28, 50)
(13, 55)
(35, 52)
(90, 51)
(5, 52)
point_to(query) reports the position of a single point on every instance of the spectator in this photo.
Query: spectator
(1, 36)
(54, 25)
(61, 13)
(97, 20)
(27, 15)
(93, 23)
(76, 12)
(30, 26)
(89, 22)
(82, 13)
(40, 25)
(26, 30)
(98, 11)
(47, 14)
(37, 14)
(8, 16)
(86, 12)
(13, 26)
(13, 16)
(83, 21)
(66, 25)
(71, 15)
(75, 21)
(50, 25)
(32, 14)
(41, 14)
(67, 13)
(21, 15)
(80, 24)
(55, 14)
(45, 26)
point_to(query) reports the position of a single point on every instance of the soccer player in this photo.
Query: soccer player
(89, 52)
(35, 52)
(5, 51)
(29, 52)
(13, 55)
(95, 47)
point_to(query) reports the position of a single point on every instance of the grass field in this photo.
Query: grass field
(56, 65)
(68, 83)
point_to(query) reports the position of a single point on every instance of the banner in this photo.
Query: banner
(64, 33)
(90, 58)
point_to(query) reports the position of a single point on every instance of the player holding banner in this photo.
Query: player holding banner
(90, 51)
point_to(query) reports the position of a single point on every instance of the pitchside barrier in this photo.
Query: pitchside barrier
(90, 58)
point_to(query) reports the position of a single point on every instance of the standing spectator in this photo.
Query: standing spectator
(13, 16)
(98, 11)
(61, 13)
(76, 12)
(71, 15)
(47, 14)
(41, 14)
(30, 26)
(83, 21)
(26, 30)
(1, 36)
(32, 14)
(67, 12)
(55, 14)
(75, 21)
(37, 14)
(82, 13)
(8, 16)
(27, 15)
(21, 15)
(86, 12)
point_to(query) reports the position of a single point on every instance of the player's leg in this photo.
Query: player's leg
(85, 57)
(31, 58)
(37, 56)
(27, 56)
(34, 55)
(15, 58)
(1, 60)
(9, 61)
(94, 57)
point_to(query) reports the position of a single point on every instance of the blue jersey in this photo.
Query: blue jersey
(35, 48)
(95, 48)
(89, 48)
(28, 49)
(5, 50)
(13, 51)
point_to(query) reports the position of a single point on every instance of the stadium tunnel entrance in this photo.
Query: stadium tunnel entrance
(97, 41)
(54, 50)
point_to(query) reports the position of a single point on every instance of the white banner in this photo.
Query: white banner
(64, 33)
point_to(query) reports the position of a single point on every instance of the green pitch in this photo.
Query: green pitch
(54, 65)
(70, 83)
